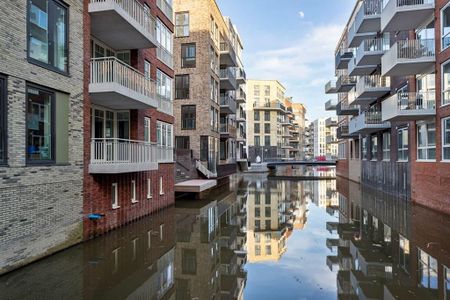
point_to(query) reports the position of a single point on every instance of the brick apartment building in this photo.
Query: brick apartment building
(392, 68)
(128, 118)
(41, 117)
(209, 97)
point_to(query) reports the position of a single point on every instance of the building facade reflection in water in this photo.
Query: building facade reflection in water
(388, 248)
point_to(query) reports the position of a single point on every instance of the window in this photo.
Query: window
(445, 26)
(47, 34)
(149, 188)
(188, 115)
(267, 140)
(204, 148)
(182, 142)
(428, 270)
(267, 116)
(257, 141)
(267, 90)
(257, 198)
(256, 115)
(40, 125)
(257, 212)
(188, 55)
(147, 132)
(257, 128)
(163, 36)
(182, 24)
(214, 88)
(161, 188)
(182, 87)
(164, 134)
(257, 250)
(374, 147)
(267, 211)
(189, 261)
(402, 143)
(268, 250)
(364, 148)
(445, 83)
(426, 141)
(147, 69)
(133, 191)
(267, 223)
(3, 120)
(163, 86)
(446, 139)
(447, 282)
(114, 196)
(386, 146)
(266, 128)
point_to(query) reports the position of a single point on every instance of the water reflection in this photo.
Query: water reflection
(304, 172)
(258, 239)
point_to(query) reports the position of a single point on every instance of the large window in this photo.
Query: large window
(257, 141)
(182, 87)
(364, 148)
(428, 270)
(267, 128)
(188, 55)
(402, 144)
(163, 36)
(267, 140)
(188, 114)
(40, 125)
(214, 88)
(182, 142)
(182, 24)
(257, 128)
(445, 26)
(47, 34)
(426, 141)
(445, 83)
(267, 116)
(386, 146)
(164, 85)
(446, 139)
(3, 121)
(374, 147)
(164, 134)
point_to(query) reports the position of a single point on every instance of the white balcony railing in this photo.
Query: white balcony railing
(164, 154)
(400, 15)
(110, 70)
(165, 106)
(369, 8)
(165, 56)
(409, 106)
(166, 8)
(136, 11)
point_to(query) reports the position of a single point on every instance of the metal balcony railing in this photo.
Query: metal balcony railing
(112, 70)
(165, 56)
(373, 81)
(228, 73)
(120, 151)
(416, 101)
(373, 117)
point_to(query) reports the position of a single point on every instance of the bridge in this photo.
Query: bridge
(273, 164)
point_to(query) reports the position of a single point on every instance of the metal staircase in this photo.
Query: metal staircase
(204, 170)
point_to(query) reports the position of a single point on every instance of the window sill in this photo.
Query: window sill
(149, 197)
(445, 105)
(115, 207)
(426, 160)
(134, 201)
(47, 67)
(402, 161)
(445, 161)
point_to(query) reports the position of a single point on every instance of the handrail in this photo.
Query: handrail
(112, 70)
(137, 12)
(416, 101)
(401, 3)
(410, 49)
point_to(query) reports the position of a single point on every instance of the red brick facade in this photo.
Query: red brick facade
(98, 188)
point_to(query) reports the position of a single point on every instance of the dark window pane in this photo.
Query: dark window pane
(188, 55)
(188, 117)
(182, 87)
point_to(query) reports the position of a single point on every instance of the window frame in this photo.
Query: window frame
(194, 119)
(374, 151)
(4, 116)
(53, 130)
(147, 129)
(447, 90)
(185, 90)
(184, 25)
(185, 59)
(403, 130)
(50, 66)
(443, 159)
(386, 150)
(441, 13)
(427, 147)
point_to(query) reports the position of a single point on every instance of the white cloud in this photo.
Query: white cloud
(301, 14)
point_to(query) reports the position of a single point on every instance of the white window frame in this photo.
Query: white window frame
(149, 189)
(133, 191)
(147, 128)
(446, 281)
(427, 146)
(442, 28)
(147, 69)
(164, 86)
(404, 131)
(372, 138)
(115, 193)
(161, 188)
(164, 36)
(184, 26)
(428, 264)
(447, 90)
(443, 159)
(386, 150)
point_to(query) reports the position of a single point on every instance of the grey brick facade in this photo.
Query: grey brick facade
(40, 206)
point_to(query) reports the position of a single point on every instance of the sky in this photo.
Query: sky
(292, 41)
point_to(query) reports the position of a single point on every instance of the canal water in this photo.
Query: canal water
(258, 238)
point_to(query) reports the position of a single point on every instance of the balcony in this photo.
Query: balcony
(355, 70)
(116, 85)
(227, 104)
(370, 88)
(368, 56)
(347, 110)
(241, 77)
(165, 106)
(241, 97)
(409, 106)
(368, 16)
(409, 57)
(329, 139)
(345, 83)
(227, 55)
(166, 8)
(241, 116)
(343, 57)
(117, 156)
(330, 105)
(331, 122)
(164, 56)
(402, 15)
(274, 105)
(227, 79)
(330, 87)
(226, 130)
(122, 24)
(368, 122)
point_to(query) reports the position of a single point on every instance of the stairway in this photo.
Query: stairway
(204, 170)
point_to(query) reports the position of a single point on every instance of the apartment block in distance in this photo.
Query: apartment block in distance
(266, 114)
(324, 137)
(393, 67)
(41, 117)
(128, 124)
(292, 132)
(209, 98)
